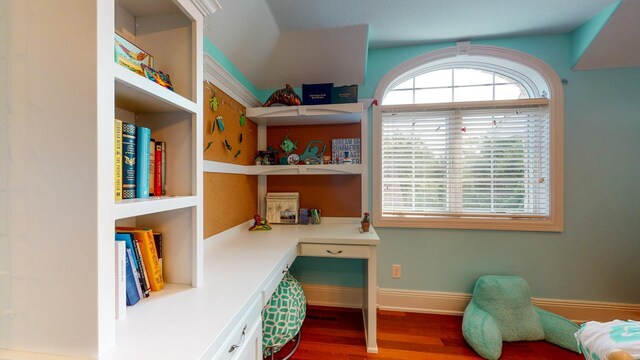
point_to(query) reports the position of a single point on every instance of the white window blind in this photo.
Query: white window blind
(466, 160)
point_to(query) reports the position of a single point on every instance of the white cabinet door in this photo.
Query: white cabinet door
(251, 349)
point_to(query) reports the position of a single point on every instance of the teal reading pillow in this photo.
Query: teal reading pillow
(501, 310)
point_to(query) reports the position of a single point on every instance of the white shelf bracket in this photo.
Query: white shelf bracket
(462, 48)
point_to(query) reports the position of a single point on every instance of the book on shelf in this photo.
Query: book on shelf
(144, 276)
(164, 167)
(118, 159)
(128, 161)
(134, 148)
(131, 244)
(157, 239)
(143, 137)
(149, 254)
(152, 167)
(121, 282)
(159, 168)
(133, 282)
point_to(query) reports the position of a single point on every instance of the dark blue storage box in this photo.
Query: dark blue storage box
(316, 94)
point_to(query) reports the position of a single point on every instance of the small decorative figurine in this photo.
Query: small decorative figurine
(347, 158)
(287, 147)
(312, 154)
(286, 96)
(293, 159)
(259, 224)
(366, 222)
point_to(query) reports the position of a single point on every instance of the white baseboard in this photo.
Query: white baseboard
(431, 302)
(447, 303)
(334, 296)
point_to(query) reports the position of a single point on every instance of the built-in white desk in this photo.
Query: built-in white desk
(242, 269)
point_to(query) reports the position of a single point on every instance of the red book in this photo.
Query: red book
(157, 175)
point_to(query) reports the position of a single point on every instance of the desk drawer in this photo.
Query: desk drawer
(241, 335)
(275, 277)
(332, 250)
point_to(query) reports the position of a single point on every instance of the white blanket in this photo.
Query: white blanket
(596, 340)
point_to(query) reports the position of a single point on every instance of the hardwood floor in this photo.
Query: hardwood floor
(338, 334)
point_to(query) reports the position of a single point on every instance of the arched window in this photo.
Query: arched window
(469, 141)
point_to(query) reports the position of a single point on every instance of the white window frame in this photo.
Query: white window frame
(535, 75)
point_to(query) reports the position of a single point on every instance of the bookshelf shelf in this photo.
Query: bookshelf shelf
(137, 207)
(138, 94)
(306, 114)
(220, 167)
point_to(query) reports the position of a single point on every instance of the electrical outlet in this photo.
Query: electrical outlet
(396, 271)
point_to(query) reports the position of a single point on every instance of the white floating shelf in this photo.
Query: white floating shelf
(136, 93)
(135, 207)
(345, 169)
(306, 114)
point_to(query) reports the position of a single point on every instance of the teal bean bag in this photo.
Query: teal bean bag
(501, 310)
(283, 315)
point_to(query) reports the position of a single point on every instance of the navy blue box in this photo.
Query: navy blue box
(344, 94)
(316, 94)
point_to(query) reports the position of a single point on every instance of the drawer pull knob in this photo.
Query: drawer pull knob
(234, 347)
(334, 252)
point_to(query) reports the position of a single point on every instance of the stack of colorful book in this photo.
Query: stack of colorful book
(140, 162)
(138, 266)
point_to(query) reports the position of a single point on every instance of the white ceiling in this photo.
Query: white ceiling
(406, 22)
(254, 33)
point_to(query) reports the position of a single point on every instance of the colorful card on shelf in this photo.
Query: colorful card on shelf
(340, 147)
(131, 56)
(157, 77)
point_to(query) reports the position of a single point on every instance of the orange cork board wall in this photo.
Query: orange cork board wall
(231, 111)
(335, 195)
(229, 199)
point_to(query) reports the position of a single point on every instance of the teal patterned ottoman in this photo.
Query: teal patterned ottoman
(283, 315)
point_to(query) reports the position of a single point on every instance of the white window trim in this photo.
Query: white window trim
(529, 68)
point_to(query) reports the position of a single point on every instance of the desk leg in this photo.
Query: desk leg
(371, 301)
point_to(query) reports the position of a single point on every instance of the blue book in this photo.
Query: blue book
(127, 241)
(128, 161)
(137, 261)
(133, 285)
(143, 138)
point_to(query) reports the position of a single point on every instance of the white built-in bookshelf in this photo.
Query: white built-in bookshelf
(65, 92)
(171, 31)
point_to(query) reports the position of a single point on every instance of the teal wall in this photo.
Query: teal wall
(595, 258)
(583, 36)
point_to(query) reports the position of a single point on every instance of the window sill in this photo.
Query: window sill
(548, 225)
